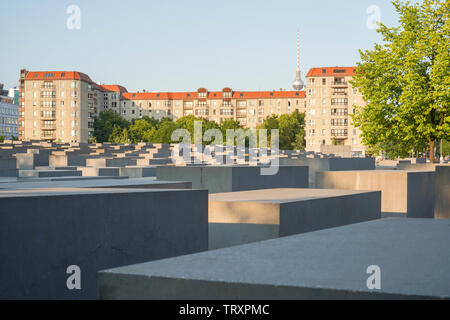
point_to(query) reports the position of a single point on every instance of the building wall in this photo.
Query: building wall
(330, 101)
(9, 118)
(327, 102)
(56, 110)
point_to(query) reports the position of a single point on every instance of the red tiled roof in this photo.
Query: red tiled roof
(331, 72)
(114, 88)
(212, 95)
(57, 75)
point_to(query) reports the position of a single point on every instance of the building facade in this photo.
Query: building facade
(61, 106)
(330, 101)
(13, 93)
(9, 118)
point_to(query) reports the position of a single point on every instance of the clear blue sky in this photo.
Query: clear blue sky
(184, 45)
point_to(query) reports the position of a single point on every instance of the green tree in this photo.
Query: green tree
(231, 124)
(2, 138)
(152, 121)
(105, 123)
(119, 135)
(406, 81)
(291, 130)
(138, 131)
(164, 132)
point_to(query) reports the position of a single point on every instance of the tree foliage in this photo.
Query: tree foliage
(113, 128)
(106, 123)
(406, 81)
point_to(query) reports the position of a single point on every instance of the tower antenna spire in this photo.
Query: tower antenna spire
(298, 49)
(298, 83)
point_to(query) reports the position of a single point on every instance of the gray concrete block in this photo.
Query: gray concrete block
(8, 163)
(412, 254)
(137, 172)
(9, 172)
(89, 182)
(67, 160)
(106, 172)
(248, 216)
(330, 164)
(48, 173)
(408, 192)
(25, 161)
(113, 162)
(42, 232)
(442, 197)
(219, 179)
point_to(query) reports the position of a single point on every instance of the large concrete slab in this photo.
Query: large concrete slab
(412, 254)
(137, 172)
(219, 179)
(48, 173)
(248, 216)
(43, 231)
(87, 182)
(409, 193)
(442, 200)
(329, 164)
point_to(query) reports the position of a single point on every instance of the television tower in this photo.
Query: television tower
(298, 83)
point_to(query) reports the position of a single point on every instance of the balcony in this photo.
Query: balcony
(47, 96)
(339, 133)
(339, 94)
(48, 127)
(339, 84)
(52, 137)
(49, 116)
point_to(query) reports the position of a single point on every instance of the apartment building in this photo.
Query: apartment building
(330, 99)
(249, 108)
(9, 118)
(61, 105)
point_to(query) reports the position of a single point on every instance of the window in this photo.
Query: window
(339, 132)
(339, 102)
(324, 81)
(338, 122)
(339, 112)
